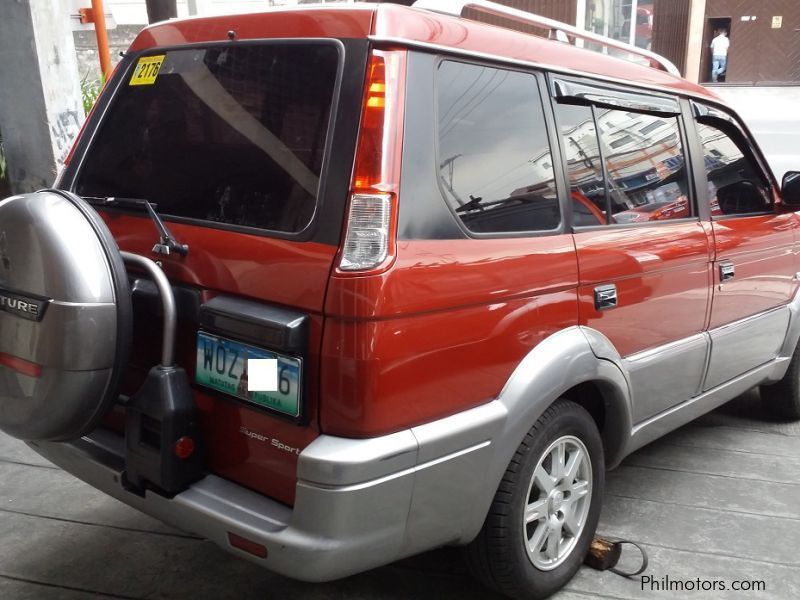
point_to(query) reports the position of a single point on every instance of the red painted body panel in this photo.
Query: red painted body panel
(294, 274)
(259, 267)
(442, 331)
(761, 249)
(328, 22)
(662, 278)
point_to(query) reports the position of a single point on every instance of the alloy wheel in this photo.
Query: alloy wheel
(558, 501)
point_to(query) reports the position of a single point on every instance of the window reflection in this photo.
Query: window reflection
(495, 164)
(646, 167)
(584, 167)
(230, 134)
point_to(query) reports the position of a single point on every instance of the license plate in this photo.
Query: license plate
(222, 366)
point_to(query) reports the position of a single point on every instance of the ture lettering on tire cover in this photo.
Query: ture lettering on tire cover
(23, 305)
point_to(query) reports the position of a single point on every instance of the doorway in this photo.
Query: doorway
(713, 26)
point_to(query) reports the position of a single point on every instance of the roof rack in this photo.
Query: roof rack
(557, 29)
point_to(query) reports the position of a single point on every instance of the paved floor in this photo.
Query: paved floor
(719, 499)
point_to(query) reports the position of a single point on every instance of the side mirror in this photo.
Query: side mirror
(790, 189)
(741, 197)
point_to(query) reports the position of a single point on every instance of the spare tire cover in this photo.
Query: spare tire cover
(65, 317)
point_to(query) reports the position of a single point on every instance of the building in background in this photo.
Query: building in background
(765, 39)
(764, 35)
(125, 18)
(133, 12)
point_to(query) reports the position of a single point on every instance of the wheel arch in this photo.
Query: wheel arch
(577, 363)
(601, 400)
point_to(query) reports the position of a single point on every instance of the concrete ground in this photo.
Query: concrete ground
(718, 499)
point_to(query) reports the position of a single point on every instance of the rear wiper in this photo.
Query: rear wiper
(473, 204)
(167, 244)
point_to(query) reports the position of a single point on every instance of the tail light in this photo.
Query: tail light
(366, 245)
(372, 215)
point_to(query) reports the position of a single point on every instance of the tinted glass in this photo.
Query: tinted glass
(647, 179)
(584, 167)
(495, 165)
(232, 134)
(736, 184)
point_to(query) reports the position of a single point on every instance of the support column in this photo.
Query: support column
(694, 51)
(161, 10)
(41, 110)
(580, 15)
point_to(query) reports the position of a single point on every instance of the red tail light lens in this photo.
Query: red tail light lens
(369, 243)
(246, 545)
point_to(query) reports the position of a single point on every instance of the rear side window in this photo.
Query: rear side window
(646, 167)
(633, 171)
(736, 184)
(584, 165)
(232, 134)
(494, 160)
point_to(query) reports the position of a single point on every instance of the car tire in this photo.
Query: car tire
(782, 399)
(500, 555)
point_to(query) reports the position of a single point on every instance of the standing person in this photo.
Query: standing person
(719, 54)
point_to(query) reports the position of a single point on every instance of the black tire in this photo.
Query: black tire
(498, 556)
(782, 399)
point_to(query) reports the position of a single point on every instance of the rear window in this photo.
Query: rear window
(232, 134)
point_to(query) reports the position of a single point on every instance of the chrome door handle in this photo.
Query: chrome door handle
(726, 270)
(605, 296)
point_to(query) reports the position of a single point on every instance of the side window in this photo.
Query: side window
(736, 184)
(644, 160)
(584, 165)
(494, 159)
(633, 171)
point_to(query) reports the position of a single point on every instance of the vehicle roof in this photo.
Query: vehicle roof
(401, 25)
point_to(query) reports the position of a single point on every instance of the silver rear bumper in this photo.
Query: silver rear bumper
(359, 503)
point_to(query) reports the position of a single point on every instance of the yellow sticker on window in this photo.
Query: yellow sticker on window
(147, 70)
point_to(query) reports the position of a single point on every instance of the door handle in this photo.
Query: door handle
(605, 297)
(726, 271)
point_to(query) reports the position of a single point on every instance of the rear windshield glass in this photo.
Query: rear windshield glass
(232, 134)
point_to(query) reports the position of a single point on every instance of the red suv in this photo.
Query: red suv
(333, 286)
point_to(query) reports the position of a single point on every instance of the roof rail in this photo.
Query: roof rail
(558, 30)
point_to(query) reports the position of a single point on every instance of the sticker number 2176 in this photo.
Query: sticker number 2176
(147, 70)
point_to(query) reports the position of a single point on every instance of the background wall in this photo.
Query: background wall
(759, 52)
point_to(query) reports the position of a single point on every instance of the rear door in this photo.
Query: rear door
(643, 253)
(754, 265)
(231, 143)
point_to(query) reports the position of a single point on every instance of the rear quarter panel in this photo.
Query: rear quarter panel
(442, 331)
